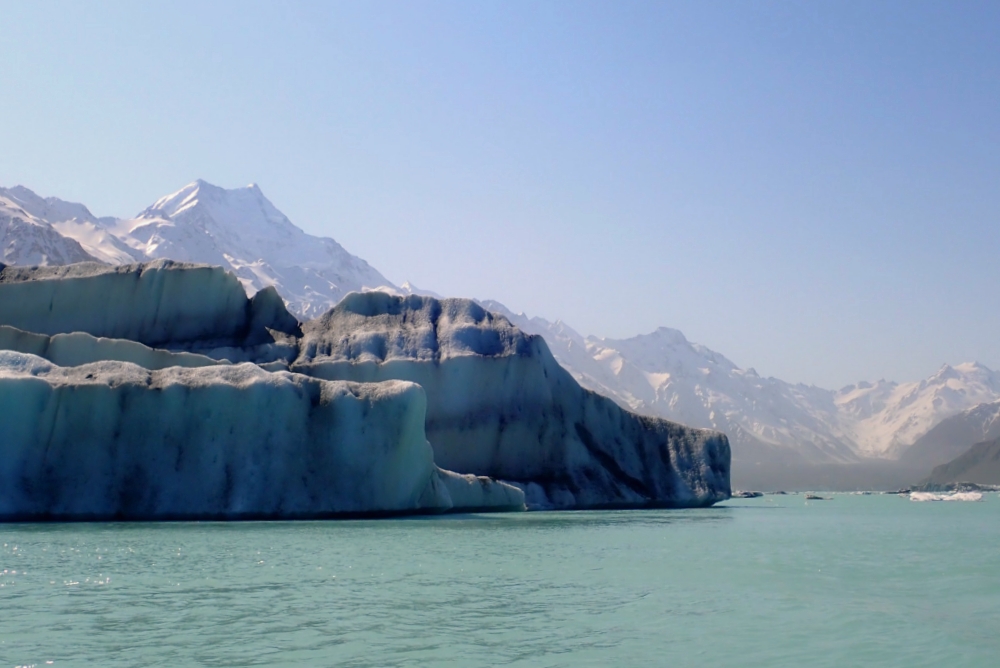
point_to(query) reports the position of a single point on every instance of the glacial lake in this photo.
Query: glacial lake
(774, 581)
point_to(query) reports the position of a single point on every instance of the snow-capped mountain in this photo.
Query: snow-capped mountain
(885, 418)
(664, 375)
(77, 224)
(238, 229)
(241, 230)
(27, 239)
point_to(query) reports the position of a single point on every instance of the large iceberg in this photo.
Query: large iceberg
(114, 440)
(500, 405)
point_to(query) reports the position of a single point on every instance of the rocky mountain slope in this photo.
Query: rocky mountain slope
(954, 435)
(980, 464)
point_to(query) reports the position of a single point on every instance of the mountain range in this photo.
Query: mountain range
(660, 374)
(238, 229)
(767, 419)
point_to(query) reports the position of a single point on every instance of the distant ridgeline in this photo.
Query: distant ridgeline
(161, 391)
(979, 465)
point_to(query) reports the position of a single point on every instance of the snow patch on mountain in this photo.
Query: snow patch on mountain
(662, 374)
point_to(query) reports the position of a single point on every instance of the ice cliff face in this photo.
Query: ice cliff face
(158, 303)
(500, 405)
(114, 440)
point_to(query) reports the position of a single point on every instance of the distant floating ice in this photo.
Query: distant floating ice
(956, 496)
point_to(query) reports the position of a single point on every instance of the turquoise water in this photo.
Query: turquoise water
(778, 581)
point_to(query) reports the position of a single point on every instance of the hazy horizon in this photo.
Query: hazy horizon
(808, 190)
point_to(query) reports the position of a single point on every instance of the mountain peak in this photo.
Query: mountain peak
(244, 203)
(670, 334)
(208, 185)
(22, 192)
(946, 372)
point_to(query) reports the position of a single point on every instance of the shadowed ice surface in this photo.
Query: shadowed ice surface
(777, 581)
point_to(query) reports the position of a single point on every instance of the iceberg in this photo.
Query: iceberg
(956, 496)
(138, 364)
(500, 405)
(112, 440)
(159, 303)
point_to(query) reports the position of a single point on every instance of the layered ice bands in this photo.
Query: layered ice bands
(160, 303)
(111, 440)
(79, 348)
(500, 405)
(97, 437)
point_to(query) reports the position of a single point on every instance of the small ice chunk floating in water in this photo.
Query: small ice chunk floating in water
(956, 496)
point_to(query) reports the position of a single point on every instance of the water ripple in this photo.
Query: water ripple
(854, 581)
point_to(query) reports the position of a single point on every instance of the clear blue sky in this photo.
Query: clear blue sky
(810, 188)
